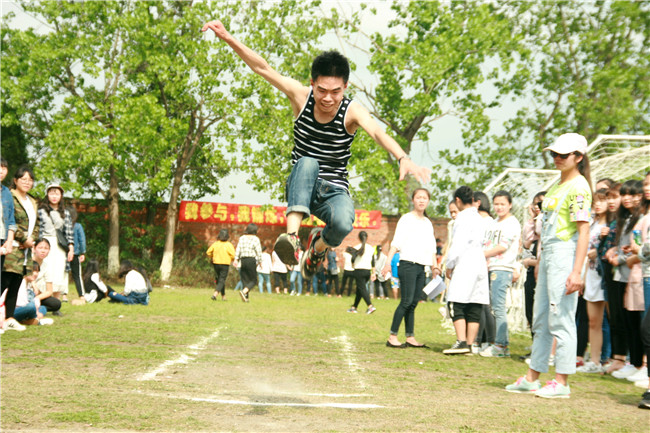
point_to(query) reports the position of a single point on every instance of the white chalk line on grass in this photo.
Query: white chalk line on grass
(346, 348)
(184, 358)
(260, 403)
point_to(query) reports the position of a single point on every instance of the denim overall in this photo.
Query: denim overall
(554, 311)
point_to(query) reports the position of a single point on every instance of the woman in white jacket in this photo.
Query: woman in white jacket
(468, 290)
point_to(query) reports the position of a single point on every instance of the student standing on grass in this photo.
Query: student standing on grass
(264, 271)
(501, 250)
(325, 126)
(19, 260)
(564, 243)
(8, 222)
(593, 294)
(249, 254)
(79, 257)
(221, 253)
(468, 290)
(362, 260)
(416, 242)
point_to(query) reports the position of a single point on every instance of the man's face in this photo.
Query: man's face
(328, 93)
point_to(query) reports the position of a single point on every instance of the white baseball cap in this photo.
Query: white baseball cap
(569, 143)
(54, 185)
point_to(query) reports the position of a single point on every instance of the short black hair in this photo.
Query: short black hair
(251, 229)
(464, 194)
(223, 235)
(3, 162)
(503, 193)
(330, 64)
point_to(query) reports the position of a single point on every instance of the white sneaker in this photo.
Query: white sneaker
(590, 367)
(624, 372)
(640, 374)
(643, 383)
(13, 325)
(46, 321)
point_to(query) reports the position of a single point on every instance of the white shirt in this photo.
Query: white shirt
(278, 266)
(265, 265)
(505, 233)
(469, 281)
(364, 261)
(134, 282)
(99, 283)
(348, 262)
(414, 239)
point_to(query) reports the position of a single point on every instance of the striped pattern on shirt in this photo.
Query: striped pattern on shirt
(328, 143)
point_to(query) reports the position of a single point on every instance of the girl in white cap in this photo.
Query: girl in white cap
(54, 217)
(564, 243)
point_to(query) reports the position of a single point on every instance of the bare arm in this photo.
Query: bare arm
(296, 92)
(360, 117)
(574, 282)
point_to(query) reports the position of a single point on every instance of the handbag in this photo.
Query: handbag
(61, 239)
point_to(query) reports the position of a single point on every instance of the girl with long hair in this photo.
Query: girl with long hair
(625, 295)
(593, 293)
(362, 262)
(564, 244)
(19, 261)
(416, 242)
(96, 290)
(53, 217)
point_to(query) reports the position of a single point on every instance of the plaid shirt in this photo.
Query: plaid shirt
(67, 228)
(249, 246)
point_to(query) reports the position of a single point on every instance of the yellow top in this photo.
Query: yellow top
(221, 253)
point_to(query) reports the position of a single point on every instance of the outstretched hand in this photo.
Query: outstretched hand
(217, 27)
(422, 174)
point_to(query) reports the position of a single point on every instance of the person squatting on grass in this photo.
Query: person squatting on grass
(416, 242)
(501, 247)
(29, 310)
(325, 126)
(564, 243)
(249, 254)
(468, 290)
(221, 253)
(136, 286)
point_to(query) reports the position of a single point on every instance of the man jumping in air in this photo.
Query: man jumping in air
(324, 128)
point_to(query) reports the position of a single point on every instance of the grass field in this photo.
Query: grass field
(280, 363)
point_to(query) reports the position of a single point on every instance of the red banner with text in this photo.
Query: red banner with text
(205, 212)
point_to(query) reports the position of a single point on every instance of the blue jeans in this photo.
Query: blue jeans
(499, 283)
(28, 311)
(319, 279)
(296, 280)
(308, 194)
(261, 279)
(606, 351)
(554, 311)
(131, 298)
(646, 293)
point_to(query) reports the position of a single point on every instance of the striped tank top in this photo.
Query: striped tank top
(328, 143)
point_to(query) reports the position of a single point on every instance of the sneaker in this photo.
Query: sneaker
(310, 259)
(287, 247)
(645, 401)
(645, 384)
(352, 310)
(475, 349)
(590, 367)
(371, 310)
(495, 351)
(553, 389)
(522, 386)
(214, 298)
(624, 372)
(12, 324)
(45, 321)
(640, 374)
(244, 296)
(458, 348)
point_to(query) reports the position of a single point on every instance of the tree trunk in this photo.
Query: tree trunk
(113, 224)
(170, 228)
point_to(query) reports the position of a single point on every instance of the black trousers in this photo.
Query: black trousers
(582, 322)
(333, 284)
(51, 304)
(617, 321)
(220, 275)
(11, 282)
(645, 335)
(348, 279)
(75, 270)
(362, 276)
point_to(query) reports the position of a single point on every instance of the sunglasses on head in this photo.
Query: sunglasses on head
(560, 155)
